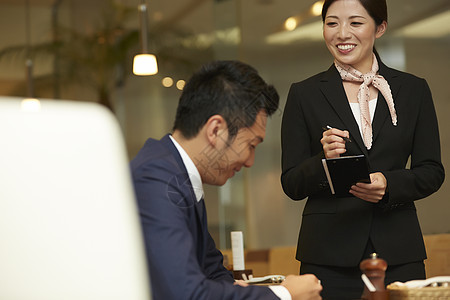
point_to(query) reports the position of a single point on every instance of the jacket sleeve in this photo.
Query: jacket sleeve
(302, 171)
(426, 172)
(171, 251)
(213, 266)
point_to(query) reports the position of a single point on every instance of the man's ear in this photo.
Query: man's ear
(216, 130)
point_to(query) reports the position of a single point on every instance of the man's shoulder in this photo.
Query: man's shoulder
(156, 169)
(155, 155)
(152, 150)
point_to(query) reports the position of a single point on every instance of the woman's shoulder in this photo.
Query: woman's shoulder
(311, 81)
(395, 73)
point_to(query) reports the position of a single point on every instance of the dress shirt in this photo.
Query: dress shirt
(194, 175)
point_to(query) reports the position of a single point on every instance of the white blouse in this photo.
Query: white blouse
(357, 112)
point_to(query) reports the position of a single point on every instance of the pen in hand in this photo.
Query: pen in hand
(346, 139)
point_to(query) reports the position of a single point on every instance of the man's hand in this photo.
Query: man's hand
(240, 282)
(303, 287)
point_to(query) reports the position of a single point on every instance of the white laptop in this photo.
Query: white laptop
(69, 227)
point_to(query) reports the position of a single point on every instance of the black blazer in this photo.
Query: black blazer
(335, 231)
(183, 260)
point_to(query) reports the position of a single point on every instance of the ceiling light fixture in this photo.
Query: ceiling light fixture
(307, 32)
(316, 8)
(290, 24)
(180, 84)
(304, 26)
(167, 82)
(145, 63)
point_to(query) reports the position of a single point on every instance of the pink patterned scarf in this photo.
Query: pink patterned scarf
(348, 73)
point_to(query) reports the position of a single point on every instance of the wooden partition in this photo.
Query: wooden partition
(281, 260)
(438, 251)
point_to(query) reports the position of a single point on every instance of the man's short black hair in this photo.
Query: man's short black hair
(231, 89)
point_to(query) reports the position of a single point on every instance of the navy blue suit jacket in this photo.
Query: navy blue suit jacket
(335, 231)
(183, 260)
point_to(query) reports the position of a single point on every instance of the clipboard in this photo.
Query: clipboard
(343, 172)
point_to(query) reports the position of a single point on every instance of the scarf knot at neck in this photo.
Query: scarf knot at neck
(368, 78)
(348, 73)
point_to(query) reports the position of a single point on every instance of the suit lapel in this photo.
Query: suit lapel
(382, 113)
(185, 176)
(169, 145)
(333, 90)
(199, 206)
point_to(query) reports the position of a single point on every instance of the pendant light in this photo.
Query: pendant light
(144, 63)
(29, 61)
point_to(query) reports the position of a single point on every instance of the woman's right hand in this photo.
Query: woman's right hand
(333, 143)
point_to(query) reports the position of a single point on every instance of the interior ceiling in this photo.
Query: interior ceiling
(257, 18)
(260, 18)
(267, 15)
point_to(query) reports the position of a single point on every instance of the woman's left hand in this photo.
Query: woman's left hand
(371, 192)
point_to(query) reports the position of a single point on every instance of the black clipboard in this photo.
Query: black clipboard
(343, 172)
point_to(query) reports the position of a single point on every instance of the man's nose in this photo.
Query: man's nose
(250, 160)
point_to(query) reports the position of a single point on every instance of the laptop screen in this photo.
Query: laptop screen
(69, 227)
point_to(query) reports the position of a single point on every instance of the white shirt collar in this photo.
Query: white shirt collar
(194, 175)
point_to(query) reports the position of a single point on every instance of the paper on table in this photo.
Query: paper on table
(237, 248)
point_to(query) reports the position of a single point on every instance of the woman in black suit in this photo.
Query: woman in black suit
(389, 117)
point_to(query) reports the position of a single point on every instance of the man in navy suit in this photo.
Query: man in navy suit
(221, 118)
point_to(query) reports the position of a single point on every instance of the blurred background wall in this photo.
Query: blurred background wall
(71, 43)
